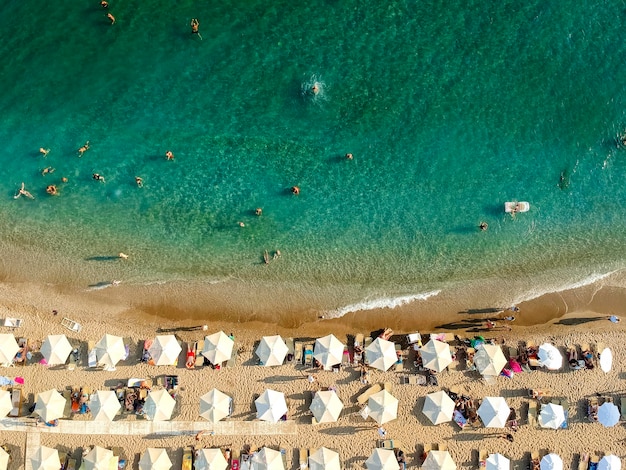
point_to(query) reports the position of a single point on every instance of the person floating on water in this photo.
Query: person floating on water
(47, 170)
(52, 190)
(315, 89)
(104, 4)
(111, 17)
(44, 151)
(169, 155)
(98, 177)
(258, 211)
(195, 25)
(139, 181)
(22, 192)
(483, 226)
(83, 149)
(295, 190)
(349, 156)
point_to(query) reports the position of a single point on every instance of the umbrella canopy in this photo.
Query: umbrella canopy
(608, 414)
(210, 459)
(6, 404)
(104, 405)
(551, 416)
(50, 405)
(215, 405)
(551, 462)
(326, 406)
(550, 357)
(381, 354)
(436, 355)
(155, 459)
(606, 359)
(438, 407)
(328, 351)
(324, 459)
(383, 406)
(610, 462)
(165, 350)
(98, 458)
(271, 351)
(271, 406)
(382, 459)
(4, 459)
(45, 458)
(267, 459)
(218, 347)
(8, 348)
(439, 460)
(497, 462)
(494, 412)
(159, 405)
(110, 350)
(489, 359)
(55, 349)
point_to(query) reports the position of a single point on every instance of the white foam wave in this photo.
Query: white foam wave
(589, 280)
(383, 302)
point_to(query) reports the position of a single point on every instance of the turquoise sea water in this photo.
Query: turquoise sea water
(449, 108)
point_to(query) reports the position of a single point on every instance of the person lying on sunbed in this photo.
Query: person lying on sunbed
(574, 362)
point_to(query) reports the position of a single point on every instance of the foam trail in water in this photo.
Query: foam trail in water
(384, 302)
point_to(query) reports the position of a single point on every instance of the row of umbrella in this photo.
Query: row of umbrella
(47, 458)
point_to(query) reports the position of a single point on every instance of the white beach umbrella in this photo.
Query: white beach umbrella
(215, 405)
(272, 351)
(45, 458)
(382, 459)
(55, 349)
(104, 405)
(608, 414)
(551, 416)
(326, 406)
(210, 459)
(489, 360)
(383, 407)
(551, 462)
(110, 350)
(98, 458)
(381, 354)
(606, 360)
(328, 351)
(549, 357)
(497, 462)
(6, 405)
(4, 459)
(494, 412)
(159, 405)
(267, 459)
(439, 460)
(155, 459)
(610, 462)
(324, 459)
(438, 407)
(165, 350)
(50, 405)
(8, 348)
(218, 347)
(436, 355)
(271, 406)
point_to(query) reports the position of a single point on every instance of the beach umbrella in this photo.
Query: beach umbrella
(271, 406)
(159, 405)
(439, 460)
(497, 462)
(45, 458)
(489, 359)
(610, 462)
(381, 354)
(494, 412)
(8, 348)
(267, 459)
(606, 360)
(98, 458)
(549, 357)
(551, 462)
(272, 351)
(6, 405)
(218, 347)
(382, 459)
(210, 459)
(56, 349)
(328, 351)
(164, 350)
(551, 416)
(4, 459)
(608, 414)
(436, 355)
(215, 405)
(324, 459)
(326, 406)
(438, 407)
(50, 405)
(104, 405)
(155, 459)
(110, 350)
(383, 407)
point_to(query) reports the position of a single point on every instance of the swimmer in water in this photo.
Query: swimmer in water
(315, 89)
(111, 17)
(104, 4)
(295, 190)
(22, 192)
(98, 177)
(52, 190)
(169, 155)
(349, 156)
(483, 226)
(83, 149)
(47, 170)
(258, 211)
(195, 27)
(44, 151)
(139, 181)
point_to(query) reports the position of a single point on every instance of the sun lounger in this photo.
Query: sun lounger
(367, 342)
(187, 458)
(535, 460)
(283, 454)
(233, 359)
(92, 360)
(71, 325)
(303, 456)
(245, 461)
(345, 358)
(583, 461)
(357, 355)
(532, 413)
(308, 354)
(442, 447)
(16, 401)
(593, 461)
(199, 356)
(72, 464)
(622, 408)
(290, 351)
(13, 322)
(483, 455)
(363, 397)
(234, 459)
(426, 448)
(298, 349)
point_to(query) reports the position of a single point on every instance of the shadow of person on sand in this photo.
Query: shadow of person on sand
(102, 258)
(578, 321)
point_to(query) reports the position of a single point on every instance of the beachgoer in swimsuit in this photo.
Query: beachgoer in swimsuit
(295, 190)
(169, 155)
(47, 170)
(277, 254)
(83, 149)
(111, 17)
(139, 181)
(195, 25)
(52, 189)
(258, 211)
(44, 151)
(98, 177)
(122, 255)
(349, 156)
(483, 226)
(23, 192)
(104, 4)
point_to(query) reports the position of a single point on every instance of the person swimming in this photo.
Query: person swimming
(483, 226)
(195, 27)
(169, 155)
(139, 181)
(295, 190)
(111, 17)
(83, 149)
(47, 170)
(98, 177)
(315, 89)
(22, 192)
(52, 190)
(44, 151)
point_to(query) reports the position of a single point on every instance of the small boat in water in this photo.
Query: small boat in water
(512, 207)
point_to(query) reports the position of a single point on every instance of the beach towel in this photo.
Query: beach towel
(459, 419)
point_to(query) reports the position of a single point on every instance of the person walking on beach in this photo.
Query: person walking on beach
(195, 27)
(111, 17)
(22, 192)
(44, 151)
